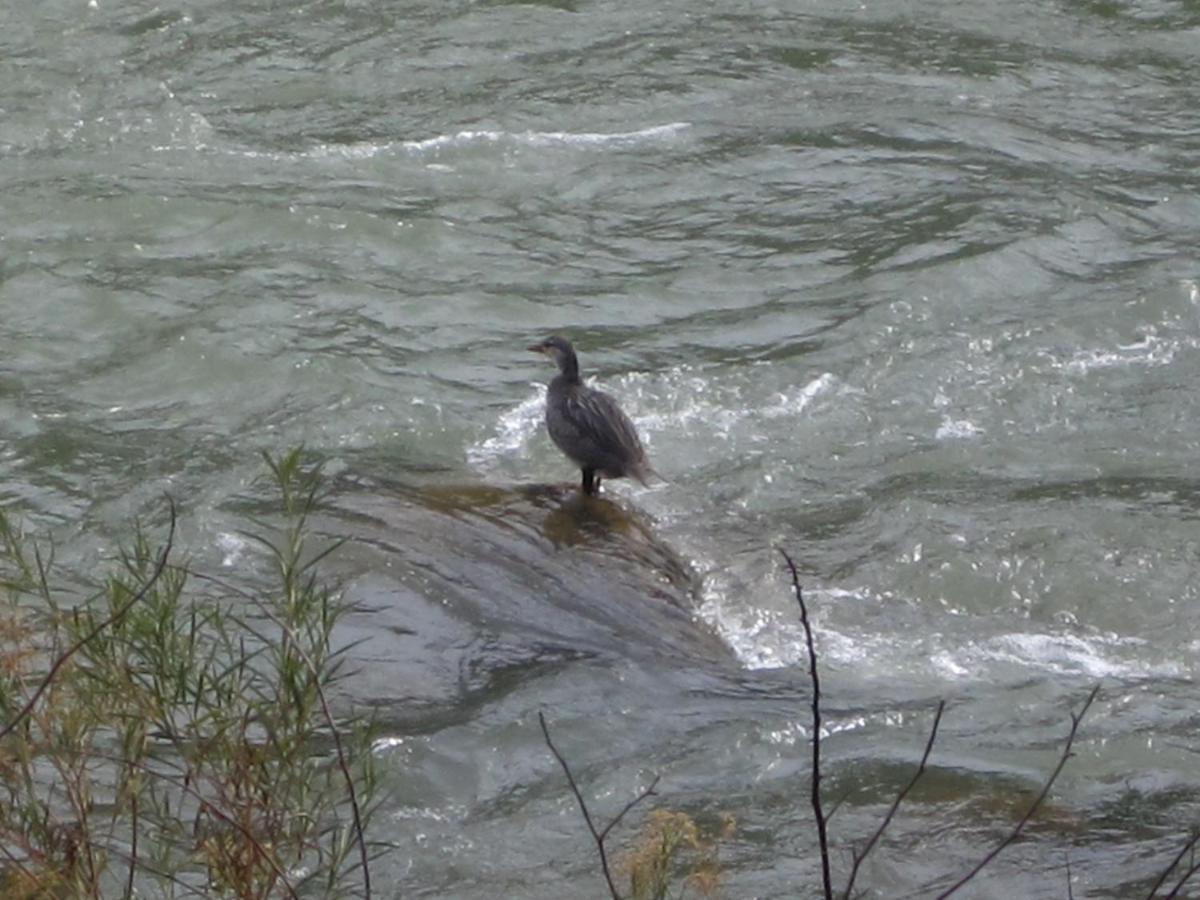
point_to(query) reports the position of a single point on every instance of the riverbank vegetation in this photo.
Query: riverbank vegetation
(164, 733)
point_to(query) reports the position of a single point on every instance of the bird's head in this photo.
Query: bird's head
(560, 350)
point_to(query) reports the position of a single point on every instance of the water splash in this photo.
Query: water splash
(684, 399)
(232, 547)
(513, 431)
(797, 402)
(541, 138)
(951, 429)
(470, 138)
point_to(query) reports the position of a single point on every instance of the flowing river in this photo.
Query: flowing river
(908, 290)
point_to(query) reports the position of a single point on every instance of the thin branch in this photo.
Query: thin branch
(1076, 718)
(133, 844)
(837, 804)
(874, 839)
(18, 865)
(1183, 851)
(630, 805)
(597, 836)
(1070, 889)
(1184, 879)
(157, 873)
(206, 806)
(115, 617)
(822, 821)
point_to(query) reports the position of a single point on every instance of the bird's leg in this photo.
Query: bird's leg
(590, 482)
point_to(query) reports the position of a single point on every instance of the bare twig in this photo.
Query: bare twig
(133, 845)
(18, 864)
(207, 807)
(1184, 879)
(628, 806)
(837, 805)
(1076, 718)
(115, 617)
(870, 845)
(597, 835)
(1183, 851)
(822, 821)
(175, 880)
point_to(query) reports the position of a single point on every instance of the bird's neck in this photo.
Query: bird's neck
(561, 383)
(569, 367)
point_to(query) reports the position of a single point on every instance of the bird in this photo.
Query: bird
(588, 425)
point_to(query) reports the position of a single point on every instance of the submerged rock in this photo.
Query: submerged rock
(466, 589)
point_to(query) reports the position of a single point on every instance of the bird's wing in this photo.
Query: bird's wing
(599, 418)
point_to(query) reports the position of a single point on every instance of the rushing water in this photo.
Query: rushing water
(910, 290)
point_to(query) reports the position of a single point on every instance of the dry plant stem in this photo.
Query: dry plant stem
(133, 846)
(142, 864)
(874, 839)
(1076, 718)
(337, 737)
(822, 821)
(1184, 879)
(18, 865)
(116, 616)
(628, 806)
(1183, 851)
(837, 804)
(597, 836)
(337, 742)
(207, 807)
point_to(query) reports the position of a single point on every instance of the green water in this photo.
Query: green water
(909, 289)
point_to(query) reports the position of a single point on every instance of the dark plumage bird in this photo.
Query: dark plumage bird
(587, 424)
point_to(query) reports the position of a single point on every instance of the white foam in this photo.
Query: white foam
(513, 430)
(1193, 290)
(543, 138)
(753, 634)
(693, 399)
(947, 666)
(796, 402)
(957, 428)
(1060, 654)
(1069, 654)
(1151, 351)
(467, 138)
(772, 638)
(232, 546)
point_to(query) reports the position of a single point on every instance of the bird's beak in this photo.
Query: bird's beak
(536, 348)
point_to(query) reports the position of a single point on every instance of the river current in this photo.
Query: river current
(908, 290)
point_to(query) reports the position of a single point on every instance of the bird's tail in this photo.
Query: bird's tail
(644, 472)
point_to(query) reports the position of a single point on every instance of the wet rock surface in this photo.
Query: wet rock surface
(470, 589)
